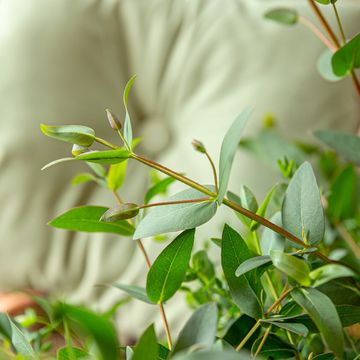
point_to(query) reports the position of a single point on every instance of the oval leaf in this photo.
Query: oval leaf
(271, 240)
(200, 329)
(86, 218)
(243, 289)
(347, 145)
(252, 264)
(283, 16)
(324, 66)
(323, 313)
(228, 149)
(170, 218)
(116, 175)
(329, 272)
(136, 292)
(75, 134)
(105, 157)
(292, 266)
(169, 269)
(302, 212)
(120, 212)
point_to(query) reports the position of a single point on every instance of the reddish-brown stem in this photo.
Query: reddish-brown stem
(174, 202)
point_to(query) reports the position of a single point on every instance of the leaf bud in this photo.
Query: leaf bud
(78, 150)
(199, 146)
(113, 120)
(120, 212)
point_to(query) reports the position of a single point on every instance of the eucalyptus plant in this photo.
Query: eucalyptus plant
(288, 284)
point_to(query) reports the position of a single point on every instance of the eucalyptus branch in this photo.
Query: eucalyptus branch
(148, 263)
(285, 293)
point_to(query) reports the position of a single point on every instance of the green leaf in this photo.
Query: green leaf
(342, 202)
(169, 269)
(105, 157)
(147, 347)
(283, 16)
(73, 353)
(136, 292)
(16, 337)
(262, 208)
(271, 240)
(86, 218)
(302, 212)
(347, 145)
(243, 289)
(292, 266)
(170, 218)
(116, 175)
(96, 326)
(324, 66)
(228, 149)
(199, 330)
(347, 57)
(252, 263)
(83, 178)
(75, 134)
(323, 313)
(128, 135)
(296, 328)
(329, 272)
(247, 200)
(158, 188)
(324, 2)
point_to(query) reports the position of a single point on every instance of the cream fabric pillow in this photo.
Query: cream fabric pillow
(199, 63)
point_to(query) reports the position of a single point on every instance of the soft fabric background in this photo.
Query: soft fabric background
(199, 63)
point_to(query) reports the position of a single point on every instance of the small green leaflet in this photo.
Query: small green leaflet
(243, 289)
(170, 218)
(72, 353)
(16, 337)
(329, 272)
(135, 292)
(200, 329)
(74, 134)
(228, 149)
(346, 144)
(147, 347)
(292, 266)
(169, 269)
(347, 57)
(128, 135)
(116, 175)
(253, 263)
(87, 219)
(302, 212)
(157, 189)
(323, 313)
(283, 16)
(299, 329)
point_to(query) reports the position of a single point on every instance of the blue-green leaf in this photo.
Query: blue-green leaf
(128, 135)
(228, 149)
(323, 313)
(324, 66)
(329, 272)
(170, 218)
(200, 329)
(283, 16)
(302, 212)
(134, 291)
(347, 145)
(271, 240)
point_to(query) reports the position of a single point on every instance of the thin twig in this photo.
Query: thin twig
(213, 170)
(285, 293)
(267, 332)
(338, 20)
(175, 202)
(148, 264)
(248, 335)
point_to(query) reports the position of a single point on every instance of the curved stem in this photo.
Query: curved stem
(317, 32)
(214, 171)
(285, 293)
(174, 202)
(106, 143)
(148, 264)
